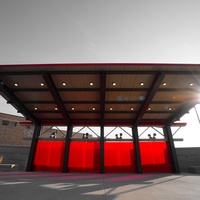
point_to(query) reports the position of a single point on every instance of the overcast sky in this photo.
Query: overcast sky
(74, 31)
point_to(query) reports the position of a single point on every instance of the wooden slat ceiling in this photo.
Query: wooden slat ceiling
(78, 94)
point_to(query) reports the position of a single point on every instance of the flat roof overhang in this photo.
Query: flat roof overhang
(109, 94)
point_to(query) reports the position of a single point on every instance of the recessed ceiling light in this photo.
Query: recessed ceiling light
(164, 83)
(16, 84)
(56, 108)
(149, 108)
(114, 83)
(91, 83)
(93, 108)
(141, 83)
(111, 108)
(35, 108)
(191, 84)
(132, 108)
(42, 84)
(73, 108)
(64, 84)
(170, 108)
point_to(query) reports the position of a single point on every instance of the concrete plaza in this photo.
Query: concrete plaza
(76, 186)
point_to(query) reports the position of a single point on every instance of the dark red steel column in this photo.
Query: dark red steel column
(170, 142)
(102, 150)
(137, 149)
(102, 116)
(67, 148)
(33, 147)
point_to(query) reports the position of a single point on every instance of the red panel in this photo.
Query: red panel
(49, 156)
(155, 157)
(119, 157)
(84, 157)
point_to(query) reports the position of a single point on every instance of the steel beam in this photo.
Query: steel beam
(102, 113)
(154, 87)
(180, 112)
(12, 98)
(107, 90)
(137, 149)
(174, 160)
(102, 149)
(98, 102)
(67, 149)
(55, 94)
(36, 134)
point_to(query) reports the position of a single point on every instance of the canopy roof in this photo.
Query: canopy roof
(101, 94)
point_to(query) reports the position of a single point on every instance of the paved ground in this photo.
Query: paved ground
(56, 186)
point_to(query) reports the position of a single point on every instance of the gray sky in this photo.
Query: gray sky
(74, 31)
(7, 108)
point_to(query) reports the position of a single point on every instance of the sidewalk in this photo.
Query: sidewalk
(57, 186)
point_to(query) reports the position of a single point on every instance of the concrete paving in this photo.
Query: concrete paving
(56, 186)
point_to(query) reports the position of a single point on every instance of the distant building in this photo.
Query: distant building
(11, 132)
(14, 134)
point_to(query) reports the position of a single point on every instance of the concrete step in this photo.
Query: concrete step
(9, 167)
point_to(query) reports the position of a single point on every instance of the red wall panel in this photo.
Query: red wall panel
(155, 157)
(119, 157)
(49, 156)
(84, 156)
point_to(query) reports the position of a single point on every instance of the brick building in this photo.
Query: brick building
(12, 133)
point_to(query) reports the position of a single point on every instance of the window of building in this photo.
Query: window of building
(5, 122)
